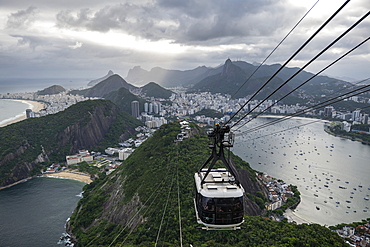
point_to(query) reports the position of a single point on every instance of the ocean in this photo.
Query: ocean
(331, 173)
(34, 213)
(19, 85)
(10, 110)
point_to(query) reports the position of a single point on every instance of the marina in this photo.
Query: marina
(330, 172)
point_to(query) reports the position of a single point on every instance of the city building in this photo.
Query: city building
(83, 155)
(135, 109)
(328, 111)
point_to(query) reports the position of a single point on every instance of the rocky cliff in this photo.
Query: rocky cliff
(86, 125)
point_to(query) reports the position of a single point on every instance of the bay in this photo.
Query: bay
(34, 213)
(315, 161)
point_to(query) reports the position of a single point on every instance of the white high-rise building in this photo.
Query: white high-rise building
(356, 115)
(146, 107)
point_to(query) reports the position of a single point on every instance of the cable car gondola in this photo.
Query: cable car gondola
(219, 195)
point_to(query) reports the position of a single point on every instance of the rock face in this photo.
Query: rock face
(89, 135)
(250, 207)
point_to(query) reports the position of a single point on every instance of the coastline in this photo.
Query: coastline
(35, 106)
(18, 182)
(69, 175)
(85, 178)
(292, 216)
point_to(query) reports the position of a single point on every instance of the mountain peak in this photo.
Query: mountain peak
(227, 66)
(94, 82)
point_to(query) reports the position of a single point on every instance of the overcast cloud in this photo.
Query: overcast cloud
(85, 39)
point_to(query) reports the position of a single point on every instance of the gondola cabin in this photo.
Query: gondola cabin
(219, 200)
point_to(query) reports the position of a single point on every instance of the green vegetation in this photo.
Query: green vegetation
(152, 89)
(208, 113)
(138, 203)
(259, 198)
(353, 224)
(59, 134)
(112, 83)
(55, 89)
(86, 168)
(123, 98)
(355, 136)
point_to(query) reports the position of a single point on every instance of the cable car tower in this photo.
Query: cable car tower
(219, 194)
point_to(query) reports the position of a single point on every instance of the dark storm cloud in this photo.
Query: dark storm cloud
(183, 21)
(22, 18)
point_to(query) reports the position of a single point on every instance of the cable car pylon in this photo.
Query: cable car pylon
(219, 194)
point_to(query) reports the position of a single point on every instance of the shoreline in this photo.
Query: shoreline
(35, 106)
(292, 216)
(18, 182)
(85, 178)
(69, 175)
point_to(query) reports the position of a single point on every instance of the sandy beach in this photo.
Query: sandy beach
(34, 106)
(70, 175)
(293, 217)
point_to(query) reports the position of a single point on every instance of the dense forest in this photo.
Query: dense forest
(148, 201)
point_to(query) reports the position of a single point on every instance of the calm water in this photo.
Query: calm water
(316, 162)
(17, 85)
(34, 213)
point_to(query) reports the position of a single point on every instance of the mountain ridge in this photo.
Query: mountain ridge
(110, 84)
(197, 82)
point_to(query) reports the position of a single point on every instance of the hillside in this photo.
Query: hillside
(152, 89)
(139, 204)
(88, 124)
(123, 98)
(112, 83)
(55, 89)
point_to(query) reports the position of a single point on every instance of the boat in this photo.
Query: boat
(317, 208)
(366, 198)
(348, 201)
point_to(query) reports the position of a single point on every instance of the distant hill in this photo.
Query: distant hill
(55, 89)
(167, 78)
(123, 98)
(94, 82)
(91, 124)
(152, 89)
(112, 83)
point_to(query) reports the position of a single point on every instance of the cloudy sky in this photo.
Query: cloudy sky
(86, 38)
